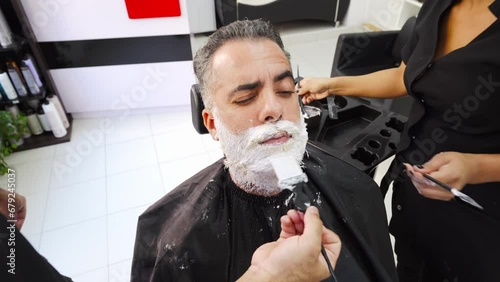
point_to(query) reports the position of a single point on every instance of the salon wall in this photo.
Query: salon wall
(101, 60)
(383, 13)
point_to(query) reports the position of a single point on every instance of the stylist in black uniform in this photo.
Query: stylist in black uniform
(451, 66)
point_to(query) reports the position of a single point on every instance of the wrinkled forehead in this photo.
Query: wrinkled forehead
(246, 61)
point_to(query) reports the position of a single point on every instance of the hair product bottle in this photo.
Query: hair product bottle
(40, 114)
(30, 62)
(5, 33)
(33, 123)
(7, 86)
(17, 80)
(13, 109)
(55, 122)
(30, 80)
(3, 95)
(57, 104)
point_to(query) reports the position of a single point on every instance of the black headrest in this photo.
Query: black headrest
(197, 107)
(403, 37)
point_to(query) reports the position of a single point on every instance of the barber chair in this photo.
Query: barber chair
(197, 107)
(366, 52)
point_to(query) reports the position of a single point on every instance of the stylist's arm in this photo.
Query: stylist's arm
(296, 255)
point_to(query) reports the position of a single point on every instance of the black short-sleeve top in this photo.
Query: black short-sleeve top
(457, 104)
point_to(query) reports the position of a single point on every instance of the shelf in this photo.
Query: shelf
(415, 3)
(46, 139)
(28, 97)
(17, 44)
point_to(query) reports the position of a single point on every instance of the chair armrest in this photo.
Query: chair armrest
(366, 50)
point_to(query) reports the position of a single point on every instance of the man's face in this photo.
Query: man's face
(256, 115)
(253, 85)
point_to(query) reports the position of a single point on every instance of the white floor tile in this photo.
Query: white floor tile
(120, 272)
(130, 155)
(177, 119)
(36, 205)
(176, 172)
(77, 249)
(85, 133)
(44, 153)
(127, 128)
(98, 275)
(134, 188)
(32, 177)
(178, 145)
(79, 166)
(122, 229)
(75, 203)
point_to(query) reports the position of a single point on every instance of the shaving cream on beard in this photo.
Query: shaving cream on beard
(248, 159)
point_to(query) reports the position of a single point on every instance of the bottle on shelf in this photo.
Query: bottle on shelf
(57, 104)
(13, 109)
(42, 117)
(30, 79)
(55, 121)
(17, 79)
(3, 95)
(30, 63)
(33, 123)
(7, 86)
(5, 33)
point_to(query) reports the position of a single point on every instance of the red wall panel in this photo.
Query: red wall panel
(140, 9)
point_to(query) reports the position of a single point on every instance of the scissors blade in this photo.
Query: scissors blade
(298, 77)
(466, 198)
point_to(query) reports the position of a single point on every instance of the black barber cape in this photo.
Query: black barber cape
(207, 229)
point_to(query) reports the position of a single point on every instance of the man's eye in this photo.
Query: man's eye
(244, 100)
(286, 93)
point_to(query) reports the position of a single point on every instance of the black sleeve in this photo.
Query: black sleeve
(20, 262)
(424, 12)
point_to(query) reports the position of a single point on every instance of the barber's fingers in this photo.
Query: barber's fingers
(292, 224)
(332, 244)
(313, 229)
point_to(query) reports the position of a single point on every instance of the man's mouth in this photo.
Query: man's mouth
(277, 139)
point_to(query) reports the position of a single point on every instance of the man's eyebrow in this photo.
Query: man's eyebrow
(283, 75)
(247, 86)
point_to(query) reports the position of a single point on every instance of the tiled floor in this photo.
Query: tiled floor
(84, 197)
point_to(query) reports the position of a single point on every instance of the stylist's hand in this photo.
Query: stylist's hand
(19, 204)
(312, 88)
(451, 168)
(296, 255)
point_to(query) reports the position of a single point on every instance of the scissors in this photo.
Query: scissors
(465, 198)
(300, 98)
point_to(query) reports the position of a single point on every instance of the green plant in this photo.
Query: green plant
(11, 131)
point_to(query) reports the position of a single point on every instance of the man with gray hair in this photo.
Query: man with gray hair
(208, 228)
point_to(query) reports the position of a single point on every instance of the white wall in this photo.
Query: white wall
(60, 20)
(119, 87)
(383, 13)
(357, 13)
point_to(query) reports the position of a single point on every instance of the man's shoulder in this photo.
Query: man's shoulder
(323, 165)
(189, 191)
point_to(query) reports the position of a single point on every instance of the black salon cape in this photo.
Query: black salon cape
(20, 262)
(207, 229)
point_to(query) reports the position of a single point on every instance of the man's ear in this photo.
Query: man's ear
(208, 120)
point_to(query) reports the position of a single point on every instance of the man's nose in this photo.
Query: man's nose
(272, 109)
